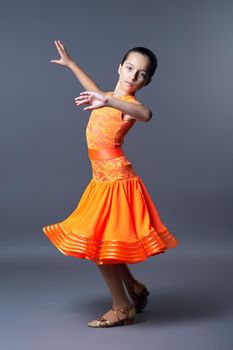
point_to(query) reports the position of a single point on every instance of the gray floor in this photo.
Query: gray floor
(48, 299)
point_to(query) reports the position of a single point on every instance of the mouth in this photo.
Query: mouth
(129, 83)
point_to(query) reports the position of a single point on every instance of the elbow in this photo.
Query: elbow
(148, 116)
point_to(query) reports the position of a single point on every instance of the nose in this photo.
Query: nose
(133, 76)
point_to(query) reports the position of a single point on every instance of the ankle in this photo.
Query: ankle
(122, 305)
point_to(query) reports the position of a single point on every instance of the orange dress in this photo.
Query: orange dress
(115, 220)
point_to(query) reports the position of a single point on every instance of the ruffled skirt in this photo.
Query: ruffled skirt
(115, 220)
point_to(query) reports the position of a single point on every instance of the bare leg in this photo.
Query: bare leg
(137, 290)
(126, 276)
(112, 276)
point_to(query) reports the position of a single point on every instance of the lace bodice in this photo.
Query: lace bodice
(106, 128)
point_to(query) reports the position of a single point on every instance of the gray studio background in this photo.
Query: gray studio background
(183, 155)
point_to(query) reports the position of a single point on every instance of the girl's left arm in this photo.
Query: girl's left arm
(138, 111)
(98, 100)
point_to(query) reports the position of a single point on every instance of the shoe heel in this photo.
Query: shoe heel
(146, 291)
(128, 321)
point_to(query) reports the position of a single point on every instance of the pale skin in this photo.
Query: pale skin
(133, 75)
(135, 71)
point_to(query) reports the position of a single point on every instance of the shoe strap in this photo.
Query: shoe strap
(114, 310)
(125, 310)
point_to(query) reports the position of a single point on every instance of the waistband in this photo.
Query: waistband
(105, 153)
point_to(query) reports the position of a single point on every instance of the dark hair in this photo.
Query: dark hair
(146, 52)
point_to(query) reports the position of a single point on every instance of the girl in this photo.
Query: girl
(115, 223)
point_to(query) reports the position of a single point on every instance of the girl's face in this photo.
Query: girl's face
(134, 73)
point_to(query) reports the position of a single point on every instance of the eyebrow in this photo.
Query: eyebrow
(134, 66)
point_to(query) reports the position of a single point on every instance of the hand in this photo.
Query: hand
(65, 59)
(96, 99)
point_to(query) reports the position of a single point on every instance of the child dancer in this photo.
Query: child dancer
(115, 222)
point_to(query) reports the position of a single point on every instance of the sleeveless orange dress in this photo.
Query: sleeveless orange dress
(115, 220)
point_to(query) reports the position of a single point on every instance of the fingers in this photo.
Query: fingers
(60, 43)
(57, 46)
(82, 102)
(85, 102)
(88, 108)
(87, 93)
(81, 98)
(60, 47)
(84, 99)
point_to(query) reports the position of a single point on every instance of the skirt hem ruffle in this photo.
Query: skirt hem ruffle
(109, 252)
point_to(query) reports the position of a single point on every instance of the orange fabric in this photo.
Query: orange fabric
(105, 153)
(105, 129)
(115, 220)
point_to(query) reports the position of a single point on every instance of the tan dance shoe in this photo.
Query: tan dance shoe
(129, 312)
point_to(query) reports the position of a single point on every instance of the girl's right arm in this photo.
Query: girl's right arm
(65, 60)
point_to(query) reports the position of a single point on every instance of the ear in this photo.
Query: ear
(119, 69)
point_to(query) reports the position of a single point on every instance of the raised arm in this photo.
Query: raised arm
(65, 60)
(98, 100)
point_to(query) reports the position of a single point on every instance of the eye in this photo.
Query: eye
(128, 67)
